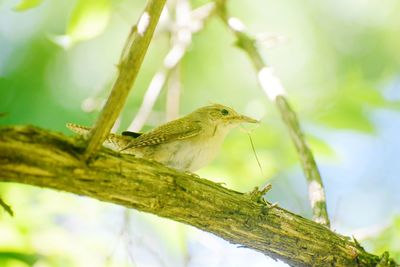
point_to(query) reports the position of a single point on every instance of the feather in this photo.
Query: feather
(175, 130)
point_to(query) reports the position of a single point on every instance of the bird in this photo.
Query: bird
(186, 144)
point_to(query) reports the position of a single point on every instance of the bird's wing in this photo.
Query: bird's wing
(174, 130)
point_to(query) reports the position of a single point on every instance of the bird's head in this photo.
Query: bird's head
(220, 115)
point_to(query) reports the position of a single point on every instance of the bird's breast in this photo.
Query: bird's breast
(187, 155)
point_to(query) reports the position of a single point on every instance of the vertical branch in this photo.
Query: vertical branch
(275, 91)
(131, 59)
(187, 23)
(149, 99)
(173, 94)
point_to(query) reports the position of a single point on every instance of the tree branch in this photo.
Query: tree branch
(181, 39)
(131, 59)
(37, 157)
(275, 91)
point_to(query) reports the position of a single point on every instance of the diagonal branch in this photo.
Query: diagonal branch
(131, 59)
(38, 157)
(6, 207)
(272, 86)
(181, 40)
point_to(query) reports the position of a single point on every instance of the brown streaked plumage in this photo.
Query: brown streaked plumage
(187, 144)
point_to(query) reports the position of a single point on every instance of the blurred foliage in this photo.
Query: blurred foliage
(27, 4)
(7, 257)
(340, 65)
(387, 240)
(88, 20)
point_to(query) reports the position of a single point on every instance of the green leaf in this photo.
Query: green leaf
(347, 115)
(319, 146)
(361, 91)
(350, 107)
(27, 4)
(29, 259)
(88, 19)
(387, 239)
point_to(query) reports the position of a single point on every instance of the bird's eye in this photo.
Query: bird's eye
(224, 112)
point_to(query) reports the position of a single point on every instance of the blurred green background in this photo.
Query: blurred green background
(339, 61)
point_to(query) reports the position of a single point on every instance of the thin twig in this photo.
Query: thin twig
(315, 187)
(272, 86)
(131, 59)
(185, 27)
(149, 99)
(6, 207)
(182, 8)
(254, 150)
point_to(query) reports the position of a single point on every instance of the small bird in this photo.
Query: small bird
(187, 144)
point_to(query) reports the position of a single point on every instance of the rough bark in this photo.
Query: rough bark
(34, 156)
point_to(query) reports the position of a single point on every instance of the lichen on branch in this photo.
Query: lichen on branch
(272, 86)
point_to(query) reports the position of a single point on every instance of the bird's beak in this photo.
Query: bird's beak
(242, 118)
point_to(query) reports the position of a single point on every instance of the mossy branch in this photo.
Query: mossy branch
(131, 60)
(42, 158)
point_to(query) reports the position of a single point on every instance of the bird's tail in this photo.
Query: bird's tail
(113, 141)
(79, 129)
